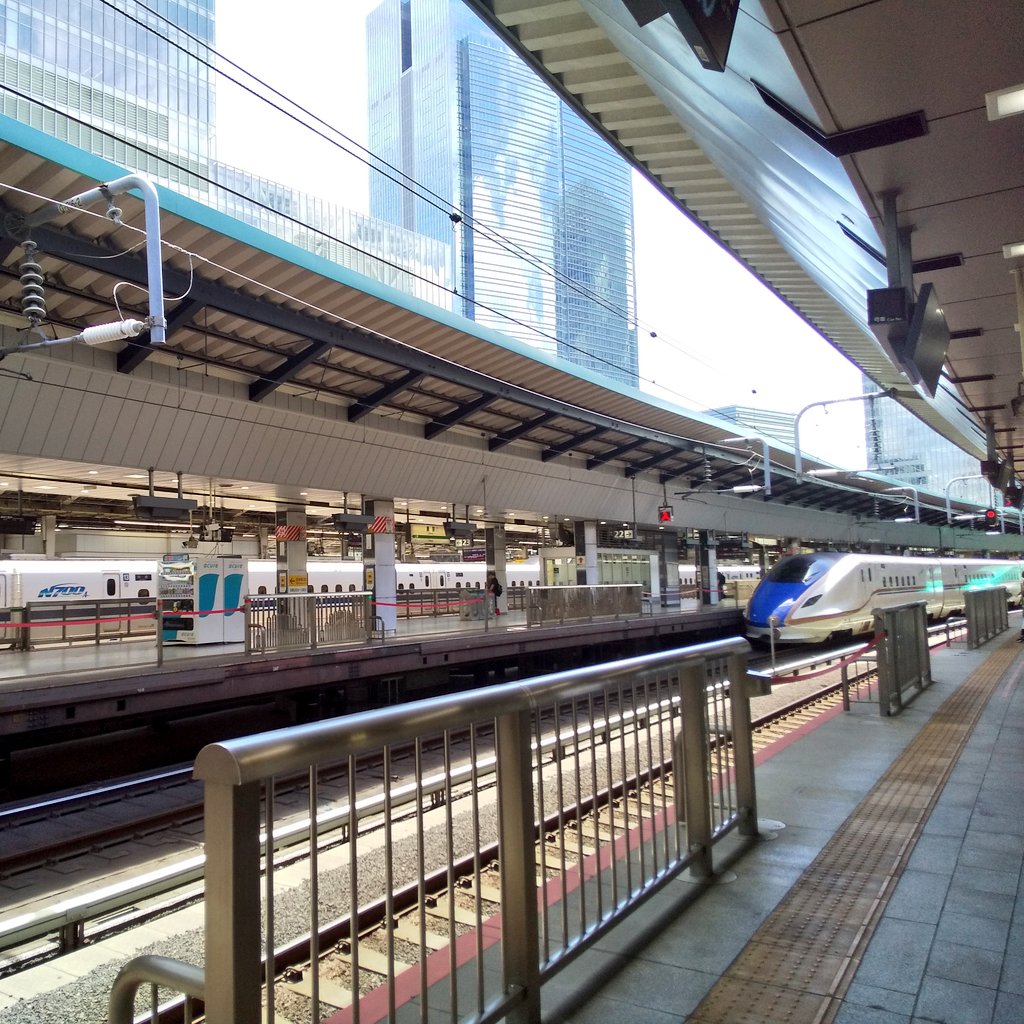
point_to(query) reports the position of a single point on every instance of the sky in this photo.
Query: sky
(722, 338)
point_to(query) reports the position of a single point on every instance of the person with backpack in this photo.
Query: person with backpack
(495, 589)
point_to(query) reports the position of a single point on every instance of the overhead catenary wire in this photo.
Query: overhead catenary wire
(399, 177)
(265, 287)
(373, 161)
(293, 301)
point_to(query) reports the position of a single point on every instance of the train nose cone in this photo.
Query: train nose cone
(768, 602)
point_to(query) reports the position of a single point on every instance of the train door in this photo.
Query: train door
(110, 588)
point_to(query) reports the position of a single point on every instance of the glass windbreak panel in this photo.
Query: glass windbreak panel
(800, 569)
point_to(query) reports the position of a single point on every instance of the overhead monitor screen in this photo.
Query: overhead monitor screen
(707, 25)
(927, 340)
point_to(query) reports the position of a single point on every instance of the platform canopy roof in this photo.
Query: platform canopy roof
(726, 146)
(826, 108)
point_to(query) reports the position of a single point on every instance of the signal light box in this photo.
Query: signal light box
(665, 514)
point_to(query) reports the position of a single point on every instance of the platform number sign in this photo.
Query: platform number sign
(665, 514)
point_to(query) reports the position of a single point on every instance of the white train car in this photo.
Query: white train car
(337, 576)
(68, 579)
(29, 581)
(830, 595)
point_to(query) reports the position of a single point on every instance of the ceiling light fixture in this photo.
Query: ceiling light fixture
(151, 522)
(1012, 250)
(1005, 102)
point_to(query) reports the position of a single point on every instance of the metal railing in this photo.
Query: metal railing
(281, 622)
(987, 614)
(616, 727)
(554, 606)
(64, 622)
(904, 657)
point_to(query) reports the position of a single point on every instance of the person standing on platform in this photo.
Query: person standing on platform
(494, 588)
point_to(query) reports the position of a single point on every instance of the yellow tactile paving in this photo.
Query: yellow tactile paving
(800, 962)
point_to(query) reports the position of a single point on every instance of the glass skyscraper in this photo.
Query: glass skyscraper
(116, 86)
(912, 451)
(476, 151)
(138, 87)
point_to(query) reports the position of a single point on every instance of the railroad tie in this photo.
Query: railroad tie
(330, 992)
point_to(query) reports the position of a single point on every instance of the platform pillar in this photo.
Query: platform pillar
(290, 534)
(587, 572)
(668, 568)
(494, 544)
(379, 576)
(707, 560)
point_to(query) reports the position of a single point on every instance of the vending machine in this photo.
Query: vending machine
(203, 597)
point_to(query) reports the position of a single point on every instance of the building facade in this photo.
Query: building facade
(138, 87)
(911, 451)
(474, 150)
(136, 90)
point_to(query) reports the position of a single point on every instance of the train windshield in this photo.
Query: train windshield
(799, 569)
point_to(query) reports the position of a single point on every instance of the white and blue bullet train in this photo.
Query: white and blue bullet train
(831, 595)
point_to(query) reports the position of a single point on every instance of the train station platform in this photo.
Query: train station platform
(887, 888)
(47, 693)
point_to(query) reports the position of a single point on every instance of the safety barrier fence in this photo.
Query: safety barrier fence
(292, 622)
(61, 622)
(618, 727)
(554, 606)
(904, 657)
(987, 614)
(306, 621)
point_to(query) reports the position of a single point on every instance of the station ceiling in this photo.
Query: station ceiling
(362, 352)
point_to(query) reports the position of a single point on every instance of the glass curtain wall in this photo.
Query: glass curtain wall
(476, 151)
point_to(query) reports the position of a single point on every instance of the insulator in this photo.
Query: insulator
(33, 304)
(112, 332)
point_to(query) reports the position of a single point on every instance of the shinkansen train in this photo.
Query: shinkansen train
(831, 595)
(60, 580)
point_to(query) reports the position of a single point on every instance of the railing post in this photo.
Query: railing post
(924, 652)
(247, 617)
(22, 634)
(742, 744)
(159, 631)
(520, 943)
(232, 840)
(694, 765)
(886, 672)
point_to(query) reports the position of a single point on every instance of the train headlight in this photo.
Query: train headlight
(812, 600)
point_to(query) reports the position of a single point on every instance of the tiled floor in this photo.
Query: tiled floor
(949, 946)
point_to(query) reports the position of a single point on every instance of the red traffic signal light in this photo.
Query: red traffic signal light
(991, 517)
(665, 514)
